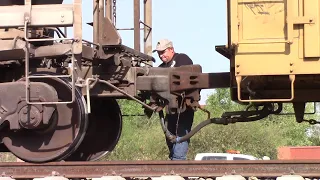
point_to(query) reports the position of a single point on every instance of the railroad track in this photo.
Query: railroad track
(169, 169)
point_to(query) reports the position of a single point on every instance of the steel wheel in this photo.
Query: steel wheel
(58, 140)
(104, 130)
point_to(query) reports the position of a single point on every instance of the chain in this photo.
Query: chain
(114, 12)
(179, 112)
(311, 121)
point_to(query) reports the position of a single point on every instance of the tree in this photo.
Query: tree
(258, 138)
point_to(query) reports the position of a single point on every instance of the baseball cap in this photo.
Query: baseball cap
(163, 44)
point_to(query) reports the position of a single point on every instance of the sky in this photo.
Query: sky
(194, 27)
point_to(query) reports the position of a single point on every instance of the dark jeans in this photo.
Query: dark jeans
(178, 151)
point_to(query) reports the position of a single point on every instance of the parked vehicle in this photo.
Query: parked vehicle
(224, 156)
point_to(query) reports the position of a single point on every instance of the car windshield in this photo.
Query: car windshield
(214, 158)
(240, 158)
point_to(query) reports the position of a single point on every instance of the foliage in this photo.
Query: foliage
(7, 157)
(258, 138)
(143, 139)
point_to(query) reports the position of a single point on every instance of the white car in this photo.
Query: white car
(223, 156)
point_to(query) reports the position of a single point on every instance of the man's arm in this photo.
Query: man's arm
(183, 60)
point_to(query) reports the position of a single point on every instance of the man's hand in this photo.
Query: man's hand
(149, 112)
(173, 139)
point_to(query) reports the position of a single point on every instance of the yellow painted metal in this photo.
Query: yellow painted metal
(312, 31)
(275, 37)
(234, 22)
(291, 78)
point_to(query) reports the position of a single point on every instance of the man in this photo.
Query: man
(178, 124)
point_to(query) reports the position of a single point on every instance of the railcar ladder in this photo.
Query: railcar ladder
(53, 15)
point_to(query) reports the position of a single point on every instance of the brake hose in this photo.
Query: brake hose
(175, 139)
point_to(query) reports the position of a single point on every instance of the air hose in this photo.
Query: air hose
(175, 139)
(245, 116)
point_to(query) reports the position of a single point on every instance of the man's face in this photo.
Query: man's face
(166, 55)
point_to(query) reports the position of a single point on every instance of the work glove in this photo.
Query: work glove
(148, 112)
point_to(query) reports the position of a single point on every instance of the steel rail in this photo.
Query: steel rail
(257, 168)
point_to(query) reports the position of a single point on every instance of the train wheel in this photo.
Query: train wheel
(60, 138)
(104, 130)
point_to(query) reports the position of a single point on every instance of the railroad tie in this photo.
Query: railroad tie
(109, 178)
(168, 177)
(52, 178)
(290, 177)
(231, 177)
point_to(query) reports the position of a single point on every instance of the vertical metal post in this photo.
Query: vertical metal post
(101, 8)
(136, 25)
(148, 30)
(77, 45)
(109, 9)
(27, 2)
(66, 31)
(95, 21)
(101, 15)
(77, 29)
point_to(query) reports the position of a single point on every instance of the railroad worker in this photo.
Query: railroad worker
(178, 126)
